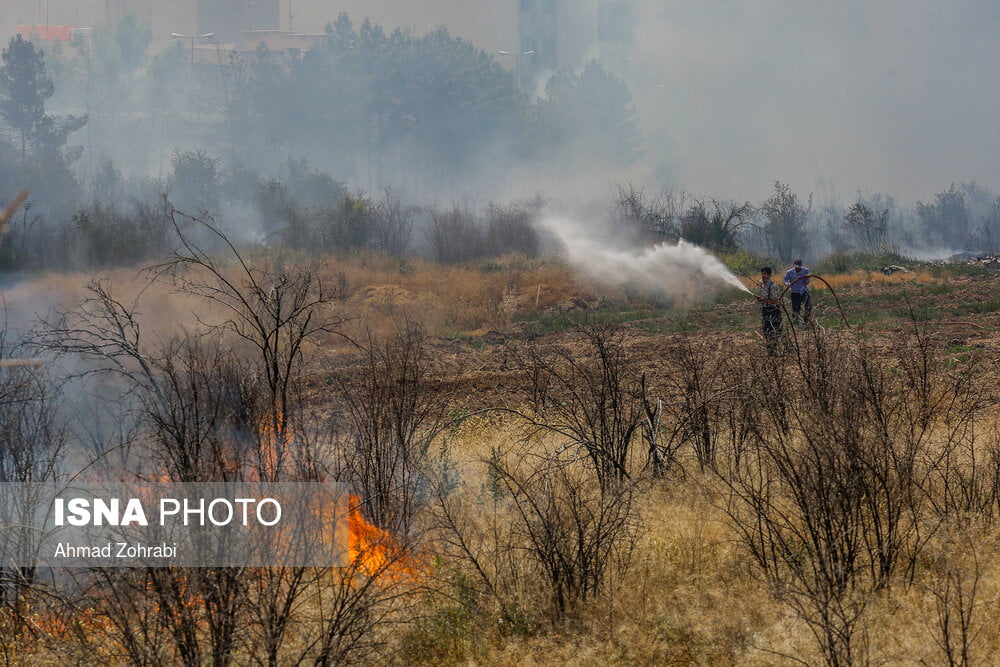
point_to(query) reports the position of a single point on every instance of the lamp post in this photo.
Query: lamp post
(194, 83)
(177, 35)
(517, 61)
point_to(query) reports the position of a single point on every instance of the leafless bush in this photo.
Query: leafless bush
(475, 531)
(394, 408)
(217, 413)
(32, 444)
(955, 589)
(392, 224)
(939, 421)
(700, 384)
(590, 392)
(657, 215)
(201, 401)
(549, 529)
(578, 535)
(799, 513)
(455, 235)
(269, 616)
(969, 480)
(832, 499)
(509, 229)
(275, 309)
(204, 413)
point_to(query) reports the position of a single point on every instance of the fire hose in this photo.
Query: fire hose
(823, 280)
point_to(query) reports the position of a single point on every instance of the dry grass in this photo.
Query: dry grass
(691, 594)
(446, 299)
(865, 278)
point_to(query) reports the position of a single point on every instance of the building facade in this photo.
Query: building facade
(536, 36)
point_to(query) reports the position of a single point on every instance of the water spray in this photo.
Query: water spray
(675, 270)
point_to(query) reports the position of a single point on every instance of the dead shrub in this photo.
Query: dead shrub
(579, 536)
(510, 229)
(33, 441)
(832, 500)
(394, 407)
(392, 224)
(590, 392)
(455, 235)
(543, 509)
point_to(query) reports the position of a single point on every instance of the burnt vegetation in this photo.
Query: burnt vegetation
(512, 488)
(843, 472)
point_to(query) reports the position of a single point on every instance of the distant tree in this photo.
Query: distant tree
(163, 76)
(464, 100)
(655, 215)
(868, 227)
(275, 204)
(393, 224)
(107, 183)
(195, 181)
(347, 225)
(510, 228)
(24, 88)
(590, 114)
(946, 220)
(984, 226)
(260, 99)
(382, 105)
(132, 38)
(988, 232)
(785, 222)
(715, 224)
(44, 158)
(311, 186)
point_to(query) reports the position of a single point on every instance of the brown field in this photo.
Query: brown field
(835, 503)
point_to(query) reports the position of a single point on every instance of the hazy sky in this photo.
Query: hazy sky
(899, 96)
(896, 96)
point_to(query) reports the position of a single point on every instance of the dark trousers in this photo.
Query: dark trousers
(801, 302)
(770, 326)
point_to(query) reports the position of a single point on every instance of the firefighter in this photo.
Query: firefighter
(797, 281)
(770, 313)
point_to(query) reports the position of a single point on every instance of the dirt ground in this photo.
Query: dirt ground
(961, 315)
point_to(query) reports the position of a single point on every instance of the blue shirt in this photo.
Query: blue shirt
(800, 287)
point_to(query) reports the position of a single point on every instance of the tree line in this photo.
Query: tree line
(376, 107)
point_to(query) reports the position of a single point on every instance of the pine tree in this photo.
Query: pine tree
(24, 87)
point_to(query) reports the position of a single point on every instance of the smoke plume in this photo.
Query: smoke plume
(683, 272)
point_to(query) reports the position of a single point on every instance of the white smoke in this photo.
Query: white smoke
(683, 271)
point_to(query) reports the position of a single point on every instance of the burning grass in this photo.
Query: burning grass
(493, 501)
(376, 551)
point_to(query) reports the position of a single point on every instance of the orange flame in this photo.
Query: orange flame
(272, 436)
(376, 551)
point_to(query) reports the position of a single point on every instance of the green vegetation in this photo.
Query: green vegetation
(842, 261)
(746, 263)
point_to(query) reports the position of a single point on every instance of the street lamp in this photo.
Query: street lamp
(194, 82)
(177, 35)
(517, 61)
